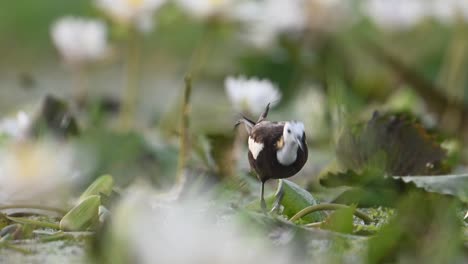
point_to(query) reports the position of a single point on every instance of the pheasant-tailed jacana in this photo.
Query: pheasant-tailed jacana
(277, 150)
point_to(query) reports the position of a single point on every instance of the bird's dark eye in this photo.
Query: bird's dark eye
(289, 130)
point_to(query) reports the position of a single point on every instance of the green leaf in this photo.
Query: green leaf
(83, 215)
(102, 185)
(295, 199)
(454, 185)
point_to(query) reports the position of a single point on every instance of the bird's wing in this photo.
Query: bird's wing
(267, 133)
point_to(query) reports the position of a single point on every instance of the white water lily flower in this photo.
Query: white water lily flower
(16, 127)
(36, 173)
(265, 19)
(137, 13)
(396, 14)
(204, 9)
(194, 231)
(80, 40)
(251, 95)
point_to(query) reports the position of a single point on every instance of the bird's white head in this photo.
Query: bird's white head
(293, 132)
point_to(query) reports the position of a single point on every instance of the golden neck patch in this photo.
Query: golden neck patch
(280, 143)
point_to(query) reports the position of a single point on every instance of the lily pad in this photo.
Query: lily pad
(454, 185)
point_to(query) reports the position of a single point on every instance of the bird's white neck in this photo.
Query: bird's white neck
(287, 154)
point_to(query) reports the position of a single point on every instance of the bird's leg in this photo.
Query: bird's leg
(262, 199)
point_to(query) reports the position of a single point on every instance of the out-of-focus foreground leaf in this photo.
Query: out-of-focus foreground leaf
(425, 230)
(340, 221)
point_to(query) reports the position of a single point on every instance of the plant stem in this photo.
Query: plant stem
(80, 85)
(33, 206)
(323, 207)
(316, 224)
(15, 248)
(130, 95)
(184, 130)
(28, 221)
(200, 53)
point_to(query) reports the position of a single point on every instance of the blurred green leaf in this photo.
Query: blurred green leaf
(340, 220)
(425, 229)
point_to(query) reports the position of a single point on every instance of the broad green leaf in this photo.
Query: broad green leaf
(295, 199)
(102, 185)
(455, 185)
(83, 215)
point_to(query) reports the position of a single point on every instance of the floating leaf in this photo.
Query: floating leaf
(102, 185)
(385, 145)
(394, 144)
(83, 215)
(454, 185)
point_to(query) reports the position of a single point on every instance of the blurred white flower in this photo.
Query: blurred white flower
(16, 127)
(448, 11)
(311, 108)
(137, 13)
(187, 232)
(265, 19)
(80, 40)
(204, 9)
(251, 95)
(396, 14)
(36, 172)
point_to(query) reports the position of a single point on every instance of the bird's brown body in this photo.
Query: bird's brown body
(267, 165)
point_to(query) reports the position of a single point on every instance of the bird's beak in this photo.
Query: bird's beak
(299, 142)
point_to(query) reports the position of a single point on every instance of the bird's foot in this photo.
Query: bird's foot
(277, 204)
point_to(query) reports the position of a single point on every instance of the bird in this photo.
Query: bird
(277, 150)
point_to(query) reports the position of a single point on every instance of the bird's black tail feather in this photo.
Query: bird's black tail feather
(248, 124)
(264, 115)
